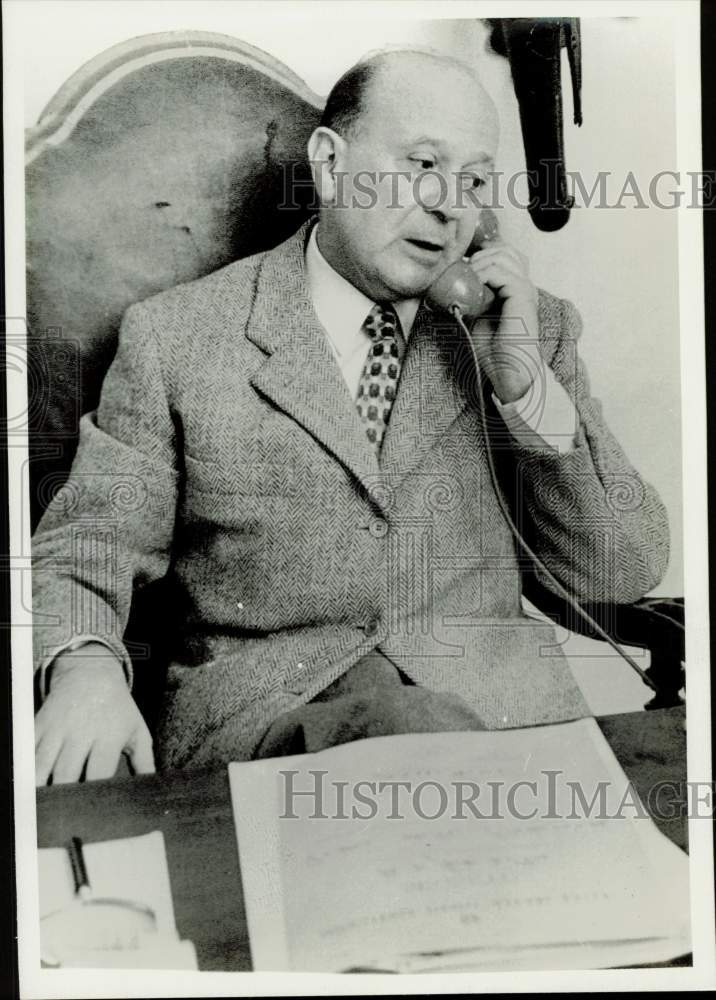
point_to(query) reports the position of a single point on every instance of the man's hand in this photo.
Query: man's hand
(89, 718)
(508, 346)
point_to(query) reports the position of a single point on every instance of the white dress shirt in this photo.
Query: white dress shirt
(549, 421)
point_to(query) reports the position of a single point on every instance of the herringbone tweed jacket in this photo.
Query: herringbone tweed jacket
(226, 453)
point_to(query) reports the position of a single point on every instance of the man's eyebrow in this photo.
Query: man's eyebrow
(482, 159)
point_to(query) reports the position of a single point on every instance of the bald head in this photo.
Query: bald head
(386, 75)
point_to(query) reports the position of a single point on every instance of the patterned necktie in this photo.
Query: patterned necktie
(379, 380)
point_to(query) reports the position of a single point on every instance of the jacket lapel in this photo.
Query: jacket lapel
(429, 397)
(301, 375)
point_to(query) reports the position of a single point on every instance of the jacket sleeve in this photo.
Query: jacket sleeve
(595, 523)
(109, 529)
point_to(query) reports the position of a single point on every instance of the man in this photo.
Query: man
(295, 443)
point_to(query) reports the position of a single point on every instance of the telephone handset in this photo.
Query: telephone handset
(458, 287)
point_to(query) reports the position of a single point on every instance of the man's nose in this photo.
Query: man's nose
(437, 196)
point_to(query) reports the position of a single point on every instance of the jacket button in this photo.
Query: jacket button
(378, 528)
(372, 626)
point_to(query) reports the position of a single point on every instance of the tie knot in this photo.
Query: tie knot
(382, 321)
(383, 327)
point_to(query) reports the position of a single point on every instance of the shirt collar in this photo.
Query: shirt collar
(341, 308)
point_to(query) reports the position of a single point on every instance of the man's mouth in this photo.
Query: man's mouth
(426, 245)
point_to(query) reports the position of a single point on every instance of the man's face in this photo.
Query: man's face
(409, 179)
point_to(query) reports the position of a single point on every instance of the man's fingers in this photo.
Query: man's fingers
(503, 252)
(140, 751)
(70, 762)
(500, 271)
(68, 738)
(46, 753)
(45, 722)
(497, 265)
(103, 760)
(493, 275)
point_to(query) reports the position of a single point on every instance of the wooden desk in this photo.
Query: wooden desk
(193, 811)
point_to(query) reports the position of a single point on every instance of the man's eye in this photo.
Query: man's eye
(478, 182)
(426, 162)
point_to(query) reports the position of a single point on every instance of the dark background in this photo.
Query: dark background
(708, 132)
(8, 940)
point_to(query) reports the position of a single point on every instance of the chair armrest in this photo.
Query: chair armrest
(654, 623)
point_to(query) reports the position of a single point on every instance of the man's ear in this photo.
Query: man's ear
(325, 148)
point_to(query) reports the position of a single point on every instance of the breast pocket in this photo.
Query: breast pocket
(226, 496)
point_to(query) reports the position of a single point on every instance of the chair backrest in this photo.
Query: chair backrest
(162, 159)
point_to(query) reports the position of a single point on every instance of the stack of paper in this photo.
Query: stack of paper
(102, 932)
(454, 852)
